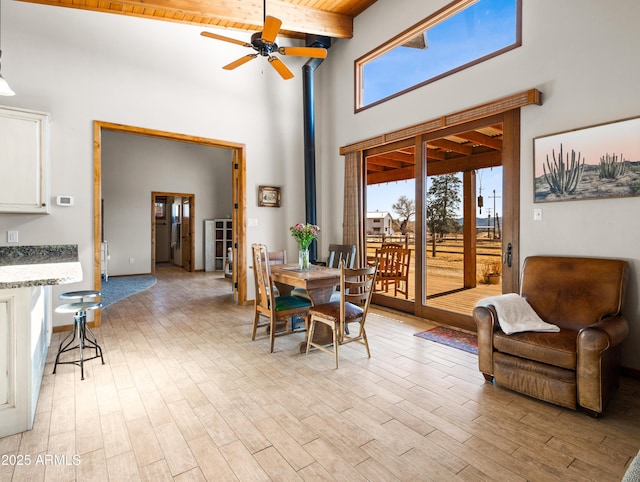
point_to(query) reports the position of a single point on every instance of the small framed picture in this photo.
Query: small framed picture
(269, 196)
(159, 210)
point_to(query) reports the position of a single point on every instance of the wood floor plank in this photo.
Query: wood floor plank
(332, 461)
(242, 462)
(123, 467)
(146, 447)
(210, 460)
(175, 449)
(275, 466)
(156, 472)
(291, 451)
(217, 428)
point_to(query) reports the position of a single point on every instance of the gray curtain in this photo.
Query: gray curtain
(353, 224)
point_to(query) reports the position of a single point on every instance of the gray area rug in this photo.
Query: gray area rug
(633, 472)
(117, 289)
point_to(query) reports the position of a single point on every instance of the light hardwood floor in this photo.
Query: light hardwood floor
(186, 395)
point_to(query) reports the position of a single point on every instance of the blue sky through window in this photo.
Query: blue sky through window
(477, 31)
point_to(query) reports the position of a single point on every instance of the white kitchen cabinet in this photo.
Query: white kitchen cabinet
(25, 333)
(24, 161)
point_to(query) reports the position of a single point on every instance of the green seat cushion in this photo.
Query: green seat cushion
(284, 303)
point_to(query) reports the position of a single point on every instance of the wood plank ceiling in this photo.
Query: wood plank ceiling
(475, 149)
(331, 18)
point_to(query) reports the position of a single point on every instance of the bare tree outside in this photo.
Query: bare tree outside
(405, 208)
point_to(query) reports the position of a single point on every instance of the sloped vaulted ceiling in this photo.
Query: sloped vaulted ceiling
(331, 18)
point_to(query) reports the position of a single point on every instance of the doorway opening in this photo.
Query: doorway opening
(172, 228)
(238, 213)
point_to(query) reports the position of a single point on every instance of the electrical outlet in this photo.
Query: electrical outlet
(12, 236)
(131, 260)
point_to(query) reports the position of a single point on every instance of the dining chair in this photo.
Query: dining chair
(356, 288)
(274, 308)
(393, 269)
(337, 253)
(340, 252)
(278, 257)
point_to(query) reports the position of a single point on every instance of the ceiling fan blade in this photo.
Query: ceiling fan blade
(282, 69)
(270, 29)
(315, 52)
(240, 61)
(225, 39)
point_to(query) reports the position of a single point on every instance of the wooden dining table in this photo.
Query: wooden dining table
(320, 282)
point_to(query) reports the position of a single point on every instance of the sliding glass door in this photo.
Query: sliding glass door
(450, 198)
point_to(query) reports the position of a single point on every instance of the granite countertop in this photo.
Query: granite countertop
(25, 275)
(24, 266)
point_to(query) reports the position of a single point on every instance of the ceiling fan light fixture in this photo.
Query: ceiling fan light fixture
(4, 87)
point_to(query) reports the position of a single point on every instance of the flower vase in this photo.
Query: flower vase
(303, 259)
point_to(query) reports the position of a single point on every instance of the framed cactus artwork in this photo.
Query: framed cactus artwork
(600, 161)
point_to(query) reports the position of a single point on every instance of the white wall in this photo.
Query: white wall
(132, 167)
(579, 53)
(82, 66)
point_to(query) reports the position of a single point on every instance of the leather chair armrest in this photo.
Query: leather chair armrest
(598, 364)
(604, 334)
(487, 323)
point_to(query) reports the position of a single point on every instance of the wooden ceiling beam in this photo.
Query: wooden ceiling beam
(482, 139)
(436, 154)
(451, 146)
(464, 164)
(383, 162)
(404, 157)
(240, 14)
(391, 175)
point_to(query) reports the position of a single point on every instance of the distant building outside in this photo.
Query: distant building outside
(379, 222)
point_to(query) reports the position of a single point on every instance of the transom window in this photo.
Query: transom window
(458, 36)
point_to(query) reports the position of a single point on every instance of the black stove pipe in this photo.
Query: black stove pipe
(308, 70)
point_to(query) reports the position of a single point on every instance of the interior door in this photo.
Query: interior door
(187, 237)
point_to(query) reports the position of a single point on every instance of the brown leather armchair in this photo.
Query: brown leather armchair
(578, 366)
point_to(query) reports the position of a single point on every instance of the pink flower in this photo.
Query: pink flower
(304, 234)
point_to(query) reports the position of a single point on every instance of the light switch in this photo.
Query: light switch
(252, 222)
(12, 236)
(537, 214)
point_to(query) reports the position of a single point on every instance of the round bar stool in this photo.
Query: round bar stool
(80, 333)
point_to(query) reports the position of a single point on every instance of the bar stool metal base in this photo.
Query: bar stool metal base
(81, 334)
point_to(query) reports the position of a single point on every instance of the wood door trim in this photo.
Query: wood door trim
(239, 194)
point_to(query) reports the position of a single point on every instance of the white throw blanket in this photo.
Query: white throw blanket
(516, 315)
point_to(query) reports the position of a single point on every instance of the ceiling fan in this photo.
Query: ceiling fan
(264, 44)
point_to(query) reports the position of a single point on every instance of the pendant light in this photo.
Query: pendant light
(4, 86)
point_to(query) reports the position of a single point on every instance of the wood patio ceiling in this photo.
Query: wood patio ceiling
(331, 18)
(465, 151)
